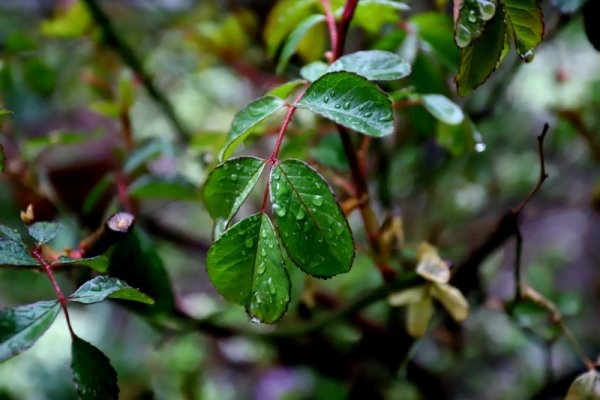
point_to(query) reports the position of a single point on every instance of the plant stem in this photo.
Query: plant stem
(284, 126)
(36, 253)
(361, 187)
(113, 40)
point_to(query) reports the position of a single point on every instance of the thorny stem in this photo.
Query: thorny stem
(36, 253)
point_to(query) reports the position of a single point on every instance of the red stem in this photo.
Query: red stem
(284, 127)
(36, 253)
(331, 26)
(338, 46)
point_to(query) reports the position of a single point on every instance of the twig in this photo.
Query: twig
(348, 14)
(120, 46)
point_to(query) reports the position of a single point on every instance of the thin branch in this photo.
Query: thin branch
(331, 25)
(113, 40)
(543, 174)
(517, 269)
(37, 254)
(348, 14)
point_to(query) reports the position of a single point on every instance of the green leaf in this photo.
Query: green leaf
(310, 222)
(4, 111)
(418, 316)
(525, 17)
(314, 70)
(472, 21)
(443, 108)
(375, 65)
(104, 287)
(352, 101)
(145, 153)
(99, 263)
(371, 15)
(283, 18)
(228, 186)
(160, 187)
(43, 232)
(585, 387)
(93, 375)
(13, 252)
(247, 267)
(293, 41)
(283, 91)
(480, 59)
(20, 327)
(135, 260)
(246, 119)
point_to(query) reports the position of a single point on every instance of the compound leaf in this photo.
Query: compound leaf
(246, 265)
(352, 101)
(311, 224)
(20, 327)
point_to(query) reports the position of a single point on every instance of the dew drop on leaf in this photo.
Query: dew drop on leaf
(463, 36)
(249, 243)
(279, 210)
(317, 200)
(472, 18)
(261, 268)
(368, 114)
(300, 215)
(528, 56)
(272, 288)
(487, 9)
(233, 177)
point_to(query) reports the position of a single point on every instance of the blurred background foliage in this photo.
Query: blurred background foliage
(93, 131)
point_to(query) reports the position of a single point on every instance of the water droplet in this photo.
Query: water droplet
(280, 211)
(463, 36)
(94, 287)
(338, 106)
(339, 228)
(283, 189)
(261, 268)
(368, 114)
(238, 166)
(326, 99)
(233, 177)
(347, 105)
(528, 56)
(480, 147)
(249, 243)
(263, 233)
(271, 286)
(263, 252)
(332, 93)
(254, 320)
(225, 166)
(487, 9)
(361, 108)
(386, 117)
(300, 215)
(472, 18)
(317, 200)
(270, 244)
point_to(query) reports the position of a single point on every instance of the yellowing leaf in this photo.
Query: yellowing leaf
(431, 266)
(452, 299)
(585, 387)
(419, 314)
(407, 296)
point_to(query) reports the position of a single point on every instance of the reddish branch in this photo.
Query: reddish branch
(37, 254)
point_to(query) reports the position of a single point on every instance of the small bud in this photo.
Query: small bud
(27, 216)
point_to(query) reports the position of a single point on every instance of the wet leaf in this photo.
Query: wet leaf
(93, 375)
(525, 17)
(22, 326)
(375, 65)
(314, 70)
(246, 119)
(43, 232)
(310, 222)
(99, 263)
(228, 186)
(283, 91)
(351, 101)
(472, 21)
(443, 108)
(104, 287)
(480, 59)
(431, 266)
(13, 252)
(246, 265)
